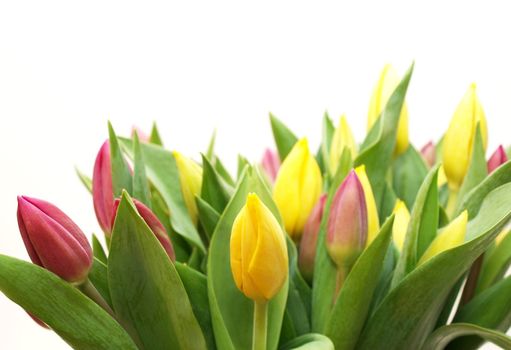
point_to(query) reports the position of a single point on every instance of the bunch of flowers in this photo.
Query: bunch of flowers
(359, 246)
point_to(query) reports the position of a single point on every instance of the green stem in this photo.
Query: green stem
(260, 325)
(451, 202)
(340, 277)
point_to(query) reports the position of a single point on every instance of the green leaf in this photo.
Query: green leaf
(422, 227)
(162, 170)
(378, 148)
(140, 184)
(284, 138)
(145, 287)
(496, 263)
(208, 216)
(441, 338)
(85, 180)
(121, 176)
(242, 163)
(223, 172)
(210, 153)
(98, 250)
(408, 173)
(196, 287)
(326, 141)
(311, 341)
(73, 316)
(155, 137)
(98, 275)
(411, 309)
(231, 311)
(351, 308)
(212, 189)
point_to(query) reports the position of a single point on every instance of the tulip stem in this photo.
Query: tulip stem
(260, 325)
(89, 290)
(342, 272)
(451, 202)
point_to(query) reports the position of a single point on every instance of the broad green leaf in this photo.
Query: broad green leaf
(222, 171)
(496, 263)
(324, 268)
(98, 275)
(98, 250)
(162, 170)
(351, 308)
(412, 308)
(140, 184)
(376, 152)
(121, 176)
(212, 189)
(195, 284)
(388, 202)
(422, 227)
(84, 179)
(208, 216)
(73, 316)
(155, 137)
(284, 138)
(311, 341)
(231, 311)
(408, 173)
(441, 338)
(145, 287)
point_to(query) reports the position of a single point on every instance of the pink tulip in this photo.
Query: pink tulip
(271, 163)
(142, 136)
(428, 151)
(154, 224)
(102, 189)
(498, 158)
(53, 240)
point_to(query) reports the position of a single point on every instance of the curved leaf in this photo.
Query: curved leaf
(444, 335)
(408, 173)
(284, 138)
(311, 341)
(496, 263)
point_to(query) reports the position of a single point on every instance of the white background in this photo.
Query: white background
(67, 67)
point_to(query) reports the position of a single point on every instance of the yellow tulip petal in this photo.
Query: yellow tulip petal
(373, 222)
(342, 138)
(190, 177)
(400, 226)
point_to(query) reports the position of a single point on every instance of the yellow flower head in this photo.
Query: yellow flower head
(259, 261)
(373, 222)
(343, 138)
(451, 236)
(386, 85)
(190, 177)
(459, 138)
(297, 188)
(400, 226)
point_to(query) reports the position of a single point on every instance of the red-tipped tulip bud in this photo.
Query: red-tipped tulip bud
(347, 222)
(270, 163)
(102, 189)
(428, 151)
(154, 224)
(53, 240)
(498, 158)
(309, 239)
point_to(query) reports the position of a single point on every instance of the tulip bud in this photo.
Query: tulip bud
(190, 177)
(343, 138)
(53, 240)
(259, 261)
(388, 82)
(142, 136)
(309, 239)
(347, 222)
(102, 188)
(297, 188)
(498, 158)
(154, 224)
(270, 163)
(428, 152)
(459, 138)
(373, 222)
(400, 225)
(442, 179)
(451, 236)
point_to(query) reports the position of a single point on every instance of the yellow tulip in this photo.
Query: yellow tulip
(373, 222)
(297, 188)
(190, 177)
(441, 179)
(386, 85)
(343, 138)
(400, 226)
(259, 261)
(451, 236)
(459, 138)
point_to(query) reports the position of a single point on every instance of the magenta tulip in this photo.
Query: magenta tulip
(270, 163)
(498, 158)
(102, 189)
(428, 151)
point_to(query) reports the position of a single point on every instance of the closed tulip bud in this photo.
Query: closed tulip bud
(387, 83)
(343, 138)
(347, 222)
(259, 261)
(309, 239)
(451, 236)
(297, 188)
(154, 224)
(459, 138)
(373, 222)
(400, 225)
(102, 189)
(429, 153)
(270, 163)
(498, 158)
(442, 179)
(53, 240)
(190, 177)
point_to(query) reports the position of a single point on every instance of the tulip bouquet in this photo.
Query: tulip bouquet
(372, 245)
